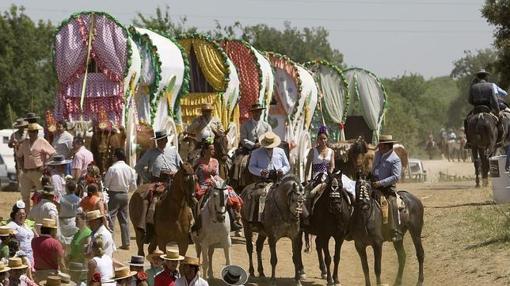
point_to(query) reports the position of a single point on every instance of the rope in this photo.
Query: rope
(89, 48)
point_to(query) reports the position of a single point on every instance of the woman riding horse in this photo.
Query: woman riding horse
(207, 171)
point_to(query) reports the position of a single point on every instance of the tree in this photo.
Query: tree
(163, 22)
(26, 67)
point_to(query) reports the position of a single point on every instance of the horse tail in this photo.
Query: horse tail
(481, 128)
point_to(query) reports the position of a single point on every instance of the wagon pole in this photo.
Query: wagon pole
(89, 49)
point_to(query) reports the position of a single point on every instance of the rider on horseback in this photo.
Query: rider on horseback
(268, 163)
(386, 172)
(484, 93)
(206, 125)
(252, 129)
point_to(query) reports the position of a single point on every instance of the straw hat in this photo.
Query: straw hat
(269, 140)
(58, 160)
(234, 275)
(386, 139)
(34, 127)
(191, 261)
(56, 280)
(92, 215)
(47, 190)
(257, 106)
(136, 260)
(172, 254)
(123, 272)
(20, 122)
(6, 231)
(49, 223)
(3, 268)
(156, 253)
(207, 107)
(16, 263)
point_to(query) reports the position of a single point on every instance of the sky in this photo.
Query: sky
(387, 37)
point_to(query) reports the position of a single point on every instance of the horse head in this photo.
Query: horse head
(217, 202)
(185, 181)
(295, 196)
(221, 145)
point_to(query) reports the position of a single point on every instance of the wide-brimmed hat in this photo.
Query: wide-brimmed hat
(156, 253)
(20, 122)
(482, 72)
(136, 260)
(386, 139)
(16, 263)
(31, 117)
(47, 191)
(207, 106)
(172, 254)
(34, 127)
(191, 261)
(58, 160)
(234, 275)
(257, 106)
(77, 267)
(5, 231)
(160, 135)
(123, 272)
(269, 140)
(49, 223)
(3, 267)
(92, 215)
(57, 279)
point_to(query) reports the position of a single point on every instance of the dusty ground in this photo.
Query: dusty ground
(451, 211)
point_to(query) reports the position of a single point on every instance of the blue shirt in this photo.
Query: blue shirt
(158, 161)
(387, 168)
(263, 160)
(498, 90)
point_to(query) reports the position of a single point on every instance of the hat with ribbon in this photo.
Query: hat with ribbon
(172, 254)
(58, 160)
(256, 107)
(31, 117)
(49, 223)
(136, 260)
(20, 122)
(191, 261)
(234, 275)
(92, 215)
(16, 263)
(270, 140)
(386, 139)
(160, 135)
(123, 272)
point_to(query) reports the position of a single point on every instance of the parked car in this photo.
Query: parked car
(4, 176)
(417, 171)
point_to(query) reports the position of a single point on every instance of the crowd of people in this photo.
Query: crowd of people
(61, 230)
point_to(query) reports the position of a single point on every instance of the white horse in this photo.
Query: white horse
(215, 230)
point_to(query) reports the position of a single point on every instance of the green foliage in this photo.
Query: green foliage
(26, 66)
(162, 22)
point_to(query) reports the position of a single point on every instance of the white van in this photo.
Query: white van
(8, 153)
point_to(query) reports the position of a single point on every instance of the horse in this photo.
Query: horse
(483, 133)
(330, 218)
(104, 142)
(353, 157)
(367, 229)
(215, 230)
(172, 217)
(280, 218)
(430, 147)
(401, 152)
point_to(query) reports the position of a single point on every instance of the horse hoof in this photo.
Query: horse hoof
(324, 276)
(262, 275)
(302, 276)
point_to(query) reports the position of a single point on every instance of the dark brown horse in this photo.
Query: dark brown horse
(330, 219)
(367, 229)
(104, 142)
(354, 157)
(482, 132)
(172, 218)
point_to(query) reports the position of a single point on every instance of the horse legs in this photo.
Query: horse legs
(210, 253)
(338, 247)
(420, 254)
(226, 251)
(401, 254)
(139, 241)
(297, 244)
(476, 162)
(248, 235)
(485, 168)
(152, 245)
(260, 245)
(327, 259)
(377, 246)
(183, 246)
(362, 252)
(206, 266)
(274, 258)
(322, 265)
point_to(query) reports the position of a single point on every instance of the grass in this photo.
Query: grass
(491, 225)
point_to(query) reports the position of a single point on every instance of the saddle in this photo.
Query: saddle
(256, 195)
(150, 194)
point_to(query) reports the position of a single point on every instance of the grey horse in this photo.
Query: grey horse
(280, 218)
(367, 229)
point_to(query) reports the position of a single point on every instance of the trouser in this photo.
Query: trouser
(118, 208)
(390, 195)
(29, 179)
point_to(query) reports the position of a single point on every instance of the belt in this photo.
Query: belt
(33, 170)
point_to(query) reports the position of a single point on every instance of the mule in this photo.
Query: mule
(482, 132)
(215, 230)
(330, 219)
(172, 217)
(367, 229)
(280, 218)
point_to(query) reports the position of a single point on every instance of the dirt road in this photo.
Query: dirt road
(449, 228)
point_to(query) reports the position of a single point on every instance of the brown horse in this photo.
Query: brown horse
(104, 142)
(144, 134)
(354, 157)
(172, 218)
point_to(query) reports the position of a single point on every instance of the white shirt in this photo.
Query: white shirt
(120, 177)
(44, 209)
(108, 243)
(251, 130)
(197, 281)
(63, 144)
(59, 185)
(104, 266)
(262, 160)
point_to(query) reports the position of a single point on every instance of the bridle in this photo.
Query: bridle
(296, 190)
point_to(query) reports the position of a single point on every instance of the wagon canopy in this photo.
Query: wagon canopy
(213, 79)
(112, 71)
(368, 99)
(333, 98)
(255, 75)
(163, 80)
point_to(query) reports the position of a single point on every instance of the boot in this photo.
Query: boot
(394, 222)
(197, 225)
(235, 225)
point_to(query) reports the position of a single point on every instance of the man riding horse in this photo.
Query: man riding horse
(386, 172)
(206, 125)
(268, 164)
(488, 94)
